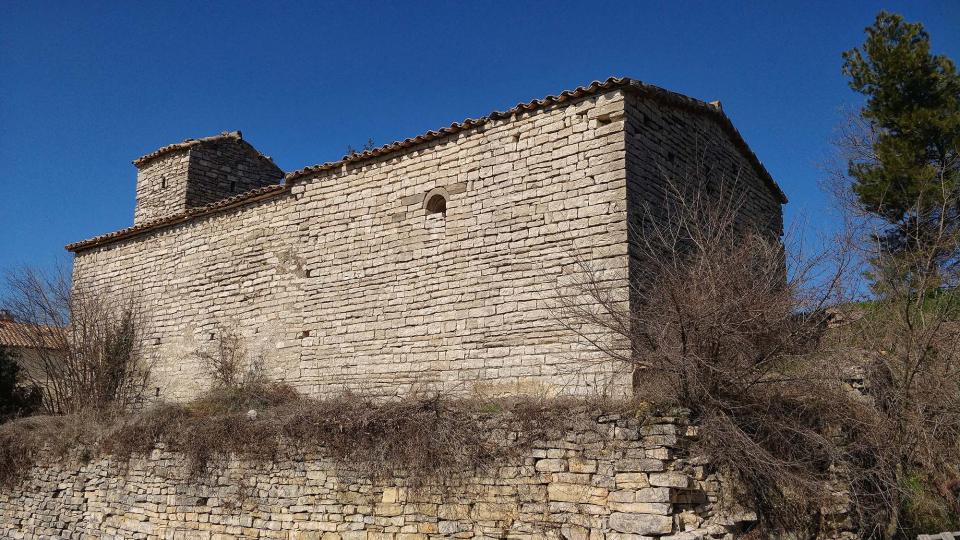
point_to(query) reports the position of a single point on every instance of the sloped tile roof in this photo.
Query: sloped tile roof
(223, 205)
(26, 336)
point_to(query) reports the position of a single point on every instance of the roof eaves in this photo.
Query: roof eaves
(243, 199)
(594, 88)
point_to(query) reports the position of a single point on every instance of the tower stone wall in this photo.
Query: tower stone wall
(162, 187)
(198, 172)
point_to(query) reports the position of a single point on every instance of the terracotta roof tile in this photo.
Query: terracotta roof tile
(22, 335)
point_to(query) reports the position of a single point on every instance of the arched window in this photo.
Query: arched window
(435, 201)
(437, 204)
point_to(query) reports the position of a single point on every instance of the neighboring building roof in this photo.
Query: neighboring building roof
(25, 336)
(940, 536)
(654, 92)
(189, 143)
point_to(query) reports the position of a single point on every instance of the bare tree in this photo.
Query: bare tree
(907, 342)
(722, 320)
(229, 363)
(89, 349)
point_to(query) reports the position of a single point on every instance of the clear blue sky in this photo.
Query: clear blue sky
(85, 87)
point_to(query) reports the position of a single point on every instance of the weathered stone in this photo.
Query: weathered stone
(580, 465)
(631, 480)
(654, 494)
(641, 523)
(639, 465)
(577, 493)
(575, 532)
(670, 479)
(662, 509)
(551, 465)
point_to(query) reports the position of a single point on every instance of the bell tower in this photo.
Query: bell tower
(198, 172)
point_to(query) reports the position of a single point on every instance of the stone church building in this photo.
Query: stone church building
(429, 263)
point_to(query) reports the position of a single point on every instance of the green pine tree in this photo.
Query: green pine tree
(913, 110)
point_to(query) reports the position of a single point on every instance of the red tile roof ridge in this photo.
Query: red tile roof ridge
(596, 87)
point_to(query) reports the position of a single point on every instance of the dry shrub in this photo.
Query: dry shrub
(425, 439)
(24, 441)
(88, 349)
(229, 363)
(909, 342)
(720, 320)
(905, 343)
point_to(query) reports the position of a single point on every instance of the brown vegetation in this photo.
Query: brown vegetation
(905, 341)
(719, 324)
(421, 438)
(89, 351)
(229, 363)
(724, 321)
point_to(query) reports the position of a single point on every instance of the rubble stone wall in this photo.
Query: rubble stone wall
(612, 477)
(348, 282)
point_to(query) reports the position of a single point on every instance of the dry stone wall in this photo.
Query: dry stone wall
(611, 477)
(347, 282)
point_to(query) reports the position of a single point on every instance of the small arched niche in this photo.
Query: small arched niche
(435, 201)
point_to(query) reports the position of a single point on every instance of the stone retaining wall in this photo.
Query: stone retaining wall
(612, 477)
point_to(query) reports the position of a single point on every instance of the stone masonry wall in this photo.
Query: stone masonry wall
(199, 173)
(672, 145)
(672, 149)
(348, 282)
(162, 186)
(225, 167)
(613, 477)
